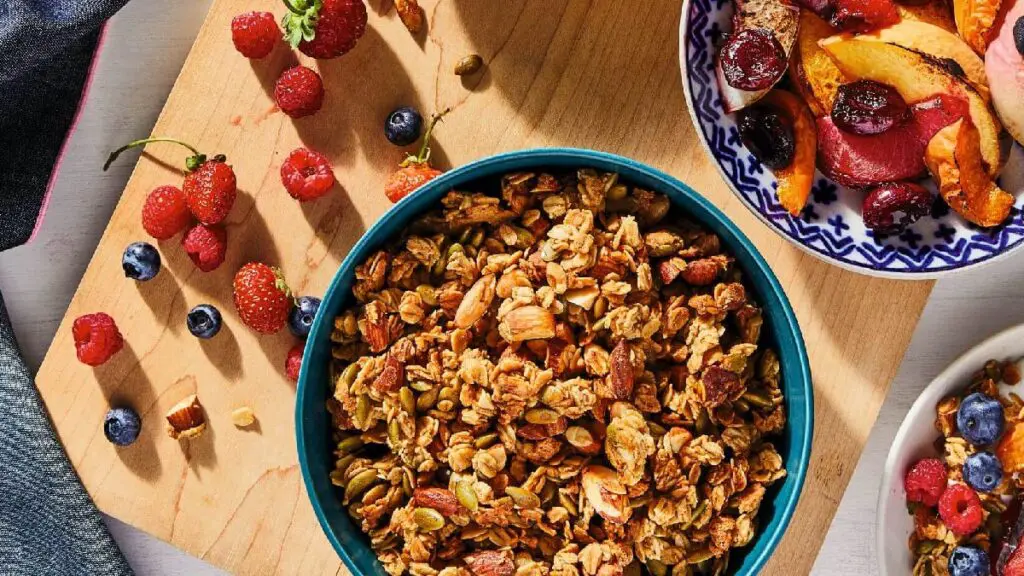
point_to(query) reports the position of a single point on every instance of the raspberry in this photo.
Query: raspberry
(960, 509)
(210, 191)
(254, 34)
(96, 338)
(306, 174)
(165, 212)
(206, 246)
(293, 362)
(299, 92)
(925, 481)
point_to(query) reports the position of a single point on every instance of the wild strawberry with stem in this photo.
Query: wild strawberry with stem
(324, 29)
(414, 171)
(210, 185)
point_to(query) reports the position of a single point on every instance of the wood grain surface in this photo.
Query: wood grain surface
(597, 74)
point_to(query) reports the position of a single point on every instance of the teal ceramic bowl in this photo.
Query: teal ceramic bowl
(780, 330)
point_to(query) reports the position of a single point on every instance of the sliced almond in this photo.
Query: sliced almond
(476, 302)
(186, 419)
(527, 323)
(606, 493)
(583, 297)
(243, 417)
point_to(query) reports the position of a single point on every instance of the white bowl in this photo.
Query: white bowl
(915, 440)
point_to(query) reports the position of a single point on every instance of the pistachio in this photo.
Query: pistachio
(469, 65)
(360, 483)
(428, 519)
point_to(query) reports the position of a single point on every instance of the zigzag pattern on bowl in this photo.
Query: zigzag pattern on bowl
(831, 225)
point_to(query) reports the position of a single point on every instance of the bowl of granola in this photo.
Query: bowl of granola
(949, 501)
(554, 361)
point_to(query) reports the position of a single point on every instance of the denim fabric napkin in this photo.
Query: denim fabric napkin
(48, 524)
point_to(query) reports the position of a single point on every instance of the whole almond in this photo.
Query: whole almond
(669, 270)
(186, 419)
(476, 302)
(700, 272)
(490, 563)
(411, 14)
(440, 499)
(621, 371)
(527, 323)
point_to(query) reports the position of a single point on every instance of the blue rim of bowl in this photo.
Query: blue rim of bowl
(543, 157)
(853, 266)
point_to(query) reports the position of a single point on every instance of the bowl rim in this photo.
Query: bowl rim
(965, 363)
(684, 25)
(540, 157)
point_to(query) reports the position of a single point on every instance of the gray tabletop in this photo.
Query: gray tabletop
(144, 48)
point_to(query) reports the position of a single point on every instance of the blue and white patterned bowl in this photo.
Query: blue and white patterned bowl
(830, 226)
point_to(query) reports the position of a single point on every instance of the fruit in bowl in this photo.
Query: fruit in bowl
(510, 279)
(884, 85)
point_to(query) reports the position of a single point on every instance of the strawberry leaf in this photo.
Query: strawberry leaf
(300, 22)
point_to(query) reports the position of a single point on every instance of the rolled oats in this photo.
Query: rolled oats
(563, 381)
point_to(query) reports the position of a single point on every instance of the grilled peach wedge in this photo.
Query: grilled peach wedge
(953, 156)
(918, 77)
(795, 180)
(813, 73)
(975, 20)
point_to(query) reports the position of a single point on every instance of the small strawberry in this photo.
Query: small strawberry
(306, 174)
(324, 29)
(415, 171)
(255, 34)
(261, 297)
(293, 363)
(299, 92)
(210, 186)
(206, 246)
(165, 212)
(96, 338)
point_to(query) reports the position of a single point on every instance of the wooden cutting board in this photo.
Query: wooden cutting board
(598, 74)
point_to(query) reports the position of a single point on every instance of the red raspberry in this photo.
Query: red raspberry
(165, 212)
(337, 26)
(960, 509)
(255, 34)
(96, 338)
(210, 191)
(206, 246)
(925, 481)
(293, 362)
(306, 174)
(299, 92)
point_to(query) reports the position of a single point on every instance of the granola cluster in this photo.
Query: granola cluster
(562, 378)
(932, 541)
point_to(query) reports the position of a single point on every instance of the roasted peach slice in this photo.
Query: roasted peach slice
(974, 20)
(795, 180)
(812, 71)
(953, 156)
(939, 43)
(917, 77)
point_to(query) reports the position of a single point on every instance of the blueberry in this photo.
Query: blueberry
(140, 261)
(300, 319)
(1018, 34)
(203, 321)
(980, 419)
(983, 471)
(121, 426)
(403, 126)
(968, 561)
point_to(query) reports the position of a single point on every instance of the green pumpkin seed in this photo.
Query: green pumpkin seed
(427, 294)
(700, 557)
(360, 483)
(394, 433)
(567, 502)
(657, 430)
(342, 464)
(426, 400)
(485, 441)
(408, 482)
(656, 567)
(704, 425)
(541, 416)
(421, 385)
(466, 495)
(449, 393)
(348, 376)
(427, 519)
(477, 239)
(375, 493)
(362, 414)
(349, 445)
(407, 400)
(926, 546)
(523, 498)
(464, 236)
(445, 405)
(547, 494)
(695, 515)
(741, 406)
(617, 192)
(759, 399)
(338, 478)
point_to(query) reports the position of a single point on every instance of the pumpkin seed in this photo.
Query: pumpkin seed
(704, 425)
(700, 557)
(469, 65)
(464, 235)
(657, 430)
(343, 464)
(632, 569)
(500, 537)
(349, 445)
(360, 483)
(758, 399)
(696, 514)
(547, 493)
(445, 405)
(427, 519)
(348, 375)
(362, 414)
(375, 493)
(485, 441)
(407, 400)
(541, 416)
(926, 546)
(427, 294)
(394, 433)
(567, 502)
(523, 498)
(338, 478)
(741, 405)
(477, 239)
(600, 307)
(426, 400)
(407, 482)
(617, 192)
(466, 495)
(656, 567)
(421, 385)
